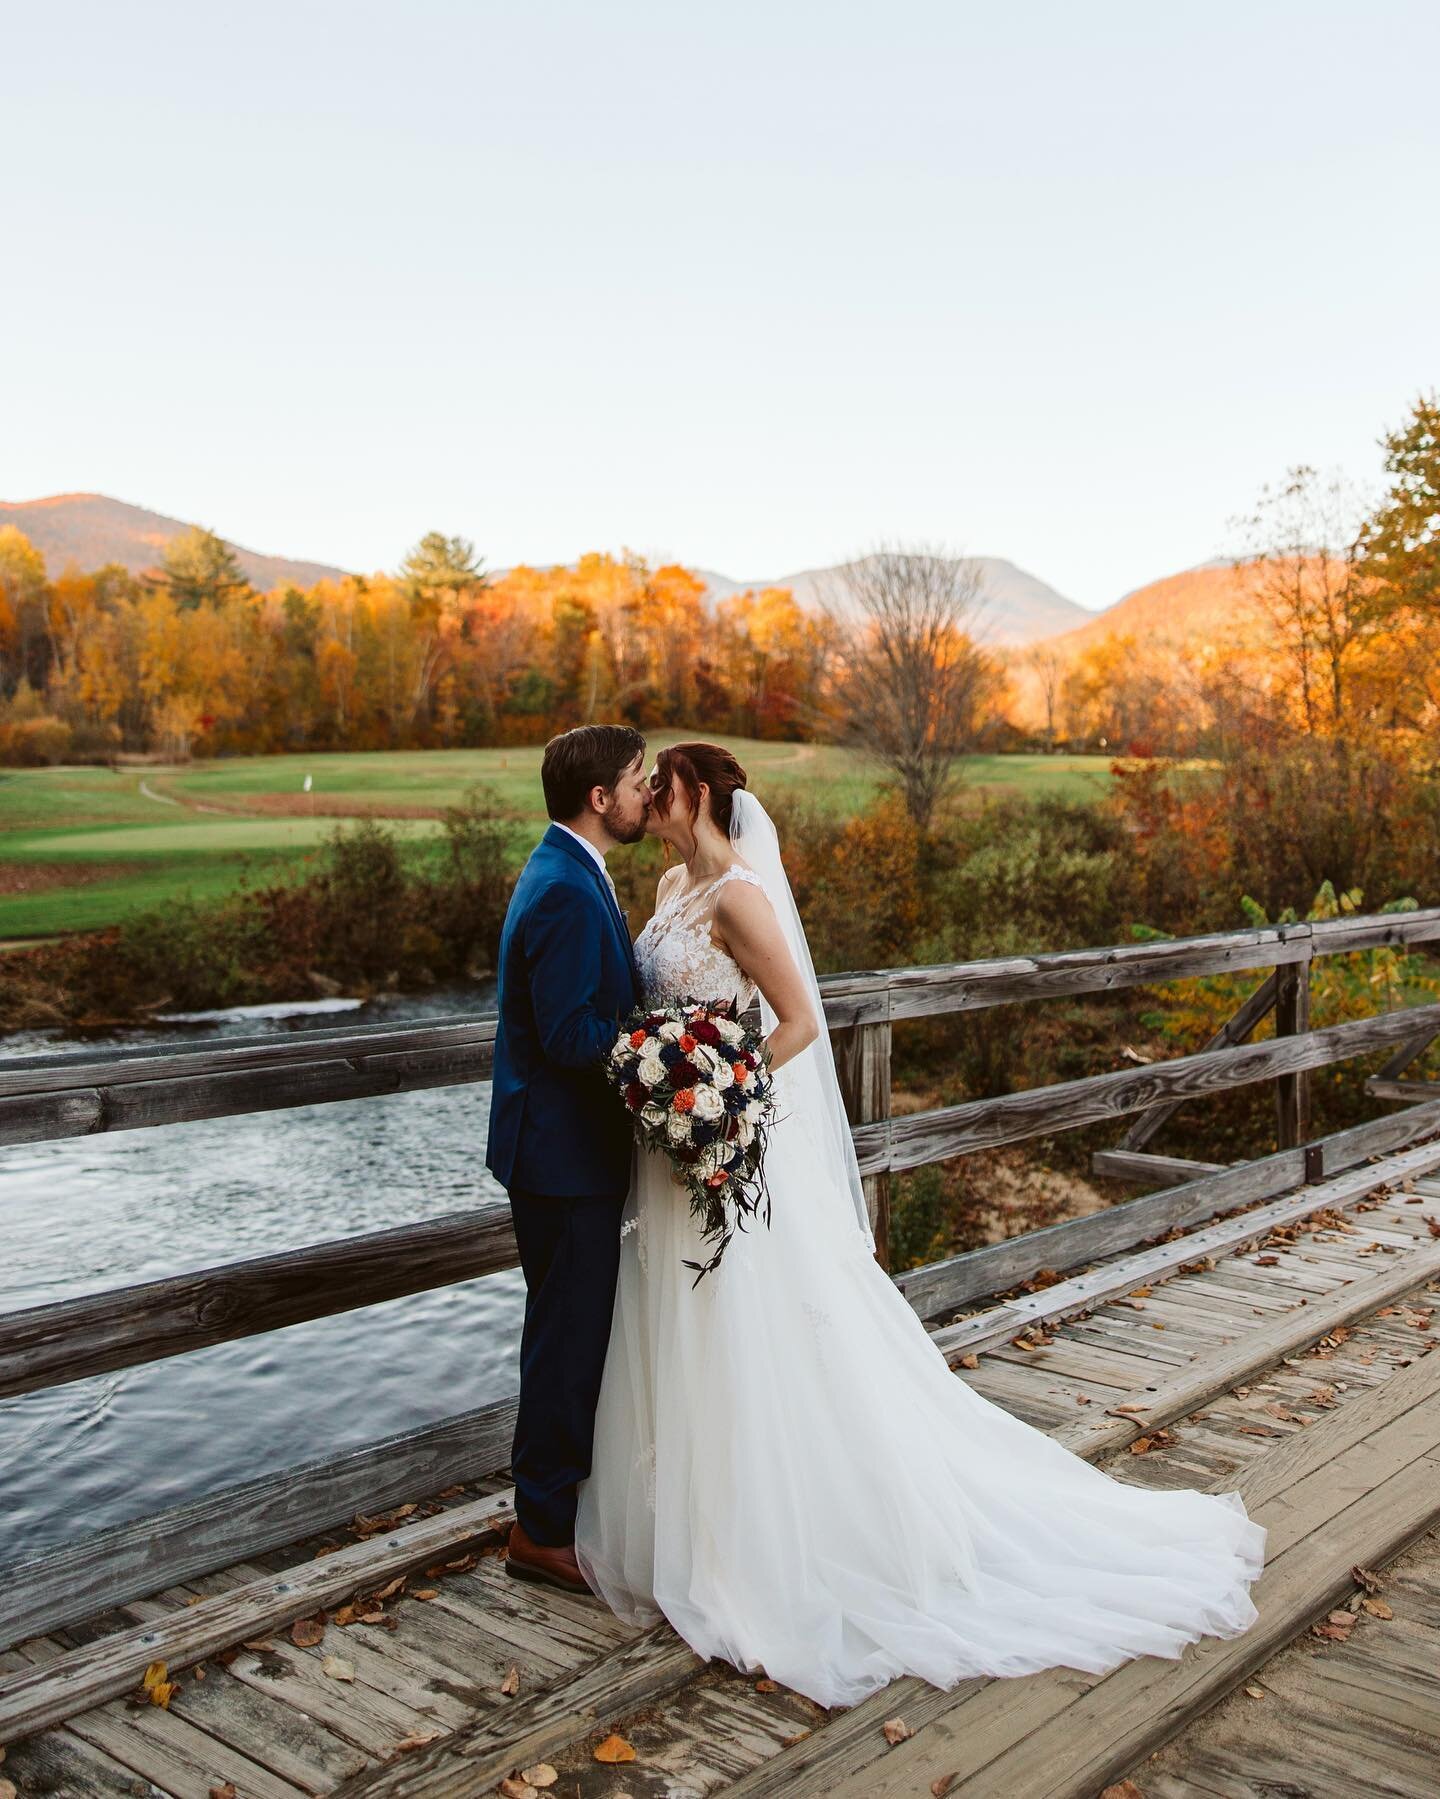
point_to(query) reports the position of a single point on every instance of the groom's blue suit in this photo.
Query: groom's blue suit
(560, 1144)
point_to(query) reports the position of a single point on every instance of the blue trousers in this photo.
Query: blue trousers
(570, 1255)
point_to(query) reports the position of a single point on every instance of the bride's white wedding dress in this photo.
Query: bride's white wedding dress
(787, 1470)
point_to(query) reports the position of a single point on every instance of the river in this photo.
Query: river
(91, 1213)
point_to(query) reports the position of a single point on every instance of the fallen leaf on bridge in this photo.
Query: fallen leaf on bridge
(541, 1775)
(1123, 1789)
(613, 1749)
(943, 1785)
(1377, 1608)
(156, 1688)
(305, 1633)
(337, 1667)
(510, 1686)
(417, 1741)
(896, 1730)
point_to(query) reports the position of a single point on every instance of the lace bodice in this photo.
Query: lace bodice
(676, 955)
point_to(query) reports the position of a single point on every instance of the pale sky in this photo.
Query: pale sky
(749, 286)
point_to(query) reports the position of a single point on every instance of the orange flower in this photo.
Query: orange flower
(739, 1070)
(637, 1039)
(685, 1100)
(687, 1043)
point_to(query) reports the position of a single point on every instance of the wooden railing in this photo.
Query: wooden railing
(82, 1093)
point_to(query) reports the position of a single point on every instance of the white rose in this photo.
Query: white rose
(651, 1070)
(747, 1131)
(723, 1075)
(708, 1104)
(677, 1127)
(621, 1050)
(712, 1160)
(652, 1116)
(729, 1030)
(703, 1056)
(671, 1031)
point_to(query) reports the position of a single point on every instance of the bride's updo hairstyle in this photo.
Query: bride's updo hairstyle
(684, 766)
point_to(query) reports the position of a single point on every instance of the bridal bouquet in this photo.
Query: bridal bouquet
(700, 1091)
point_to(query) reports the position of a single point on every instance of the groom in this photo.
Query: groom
(560, 1143)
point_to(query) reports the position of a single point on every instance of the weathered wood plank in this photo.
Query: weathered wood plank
(1171, 1396)
(128, 1106)
(1292, 1019)
(134, 1559)
(55, 1071)
(1083, 1292)
(862, 1062)
(83, 1678)
(178, 1756)
(47, 1345)
(58, 1763)
(1137, 1165)
(472, 1761)
(922, 1137)
(1414, 1091)
(1238, 1028)
(1076, 1240)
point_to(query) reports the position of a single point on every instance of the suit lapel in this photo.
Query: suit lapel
(562, 840)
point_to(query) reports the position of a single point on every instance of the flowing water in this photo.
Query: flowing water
(92, 1213)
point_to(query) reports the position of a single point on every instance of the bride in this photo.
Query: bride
(784, 1467)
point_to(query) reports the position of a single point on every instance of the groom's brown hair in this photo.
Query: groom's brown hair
(589, 756)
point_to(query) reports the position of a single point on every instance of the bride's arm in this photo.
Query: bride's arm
(747, 922)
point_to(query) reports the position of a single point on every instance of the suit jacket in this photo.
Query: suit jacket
(567, 981)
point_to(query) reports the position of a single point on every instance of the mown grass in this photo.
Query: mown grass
(138, 837)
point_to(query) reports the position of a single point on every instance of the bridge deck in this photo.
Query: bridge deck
(1297, 1366)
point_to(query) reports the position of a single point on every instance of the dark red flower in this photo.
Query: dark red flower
(705, 1032)
(636, 1094)
(684, 1074)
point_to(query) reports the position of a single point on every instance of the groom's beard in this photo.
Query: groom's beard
(622, 828)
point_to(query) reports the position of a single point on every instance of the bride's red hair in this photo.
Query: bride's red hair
(685, 766)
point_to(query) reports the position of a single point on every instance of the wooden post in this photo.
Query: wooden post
(862, 1062)
(1292, 1019)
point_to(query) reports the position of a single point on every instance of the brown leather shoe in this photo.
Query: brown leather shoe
(528, 1560)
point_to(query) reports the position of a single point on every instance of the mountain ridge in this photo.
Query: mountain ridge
(1019, 611)
(92, 529)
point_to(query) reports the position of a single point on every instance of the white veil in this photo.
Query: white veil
(810, 1079)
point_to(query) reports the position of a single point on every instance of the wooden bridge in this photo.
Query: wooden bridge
(346, 1627)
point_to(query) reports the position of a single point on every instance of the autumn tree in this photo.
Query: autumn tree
(200, 569)
(915, 686)
(1399, 545)
(440, 577)
(1300, 564)
(1048, 667)
(24, 634)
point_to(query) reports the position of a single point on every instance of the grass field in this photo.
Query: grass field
(81, 848)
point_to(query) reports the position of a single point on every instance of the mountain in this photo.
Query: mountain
(1211, 603)
(1018, 608)
(90, 530)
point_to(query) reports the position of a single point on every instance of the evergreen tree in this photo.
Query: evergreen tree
(200, 569)
(1400, 545)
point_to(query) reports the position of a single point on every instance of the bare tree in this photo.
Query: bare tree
(1048, 667)
(913, 686)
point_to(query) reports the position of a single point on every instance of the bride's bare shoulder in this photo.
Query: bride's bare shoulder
(668, 878)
